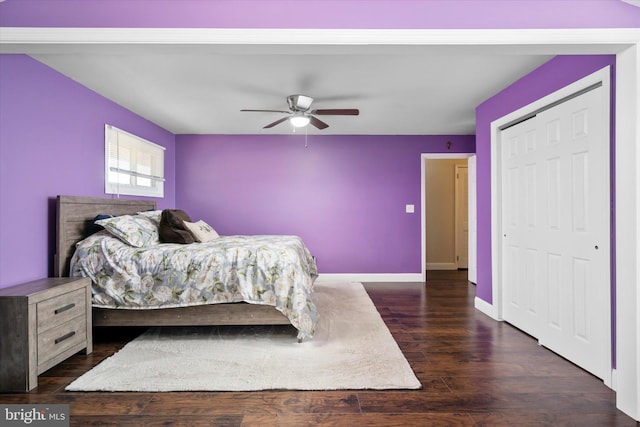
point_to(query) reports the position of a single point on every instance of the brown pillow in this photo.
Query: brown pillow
(172, 228)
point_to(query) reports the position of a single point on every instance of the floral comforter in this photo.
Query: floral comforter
(270, 270)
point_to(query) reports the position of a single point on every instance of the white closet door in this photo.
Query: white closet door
(523, 269)
(556, 229)
(576, 244)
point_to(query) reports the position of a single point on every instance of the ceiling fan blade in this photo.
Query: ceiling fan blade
(266, 111)
(318, 123)
(277, 122)
(337, 112)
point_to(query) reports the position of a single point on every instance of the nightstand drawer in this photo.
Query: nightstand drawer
(58, 310)
(56, 340)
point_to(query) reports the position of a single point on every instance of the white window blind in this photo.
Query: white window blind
(133, 165)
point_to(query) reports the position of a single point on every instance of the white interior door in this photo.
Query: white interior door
(556, 229)
(523, 266)
(473, 231)
(577, 308)
(462, 216)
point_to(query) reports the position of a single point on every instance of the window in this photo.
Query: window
(133, 166)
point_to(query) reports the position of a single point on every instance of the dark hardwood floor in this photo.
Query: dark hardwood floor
(474, 372)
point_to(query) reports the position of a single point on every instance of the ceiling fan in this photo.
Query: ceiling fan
(300, 113)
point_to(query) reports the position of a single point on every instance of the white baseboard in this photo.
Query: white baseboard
(442, 266)
(486, 308)
(613, 383)
(369, 277)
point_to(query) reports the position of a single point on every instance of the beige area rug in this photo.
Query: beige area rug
(352, 349)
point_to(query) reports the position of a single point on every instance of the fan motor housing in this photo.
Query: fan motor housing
(299, 102)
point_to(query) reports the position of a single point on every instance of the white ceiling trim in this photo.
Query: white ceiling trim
(15, 37)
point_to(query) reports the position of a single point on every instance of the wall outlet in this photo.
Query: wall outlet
(409, 209)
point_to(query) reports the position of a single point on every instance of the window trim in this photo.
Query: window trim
(157, 187)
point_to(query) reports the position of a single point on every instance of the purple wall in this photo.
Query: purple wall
(344, 195)
(555, 74)
(52, 142)
(320, 13)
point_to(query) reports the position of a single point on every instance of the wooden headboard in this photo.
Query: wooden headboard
(74, 213)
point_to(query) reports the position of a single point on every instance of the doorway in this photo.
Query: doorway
(441, 243)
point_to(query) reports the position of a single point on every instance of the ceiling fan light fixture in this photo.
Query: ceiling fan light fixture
(300, 113)
(299, 120)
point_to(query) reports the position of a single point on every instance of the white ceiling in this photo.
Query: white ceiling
(196, 81)
(201, 90)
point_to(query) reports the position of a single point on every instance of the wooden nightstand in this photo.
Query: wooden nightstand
(42, 323)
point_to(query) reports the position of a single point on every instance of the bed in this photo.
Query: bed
(244, 282)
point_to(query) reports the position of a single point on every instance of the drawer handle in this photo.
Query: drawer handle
(65, 337)
(65, 308)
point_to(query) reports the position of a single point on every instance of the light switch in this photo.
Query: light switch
(409, 209)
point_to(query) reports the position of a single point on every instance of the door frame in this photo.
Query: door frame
(627, 233)
(497, 250)
(423, 199)
(472, 272)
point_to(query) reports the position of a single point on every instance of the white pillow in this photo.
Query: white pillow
(134, 230)
(153, 216)
(201, 231)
